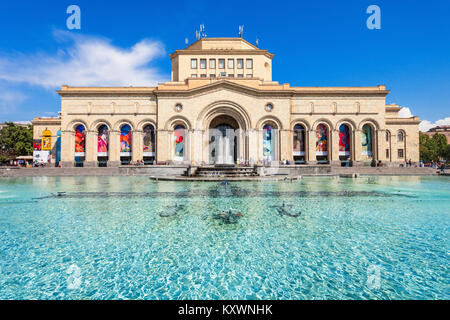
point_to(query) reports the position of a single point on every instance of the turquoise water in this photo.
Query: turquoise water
(365, 238)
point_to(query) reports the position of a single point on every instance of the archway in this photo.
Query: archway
(345, 144)
(125, 144)
(367, 141)
(299, 142)
(103, 145)
(149, 149)
(223, 140)
(80, 145)
(179, 141)
(322, 143)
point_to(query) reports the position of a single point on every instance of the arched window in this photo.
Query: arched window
(125, 141)
(400, 136)
(344, 140)
(179, 134)
(367, 140)
(103, 141)
(268, 143)
(388, 135)
(149, 141)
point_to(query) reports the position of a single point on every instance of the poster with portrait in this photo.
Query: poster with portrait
(149, 142)
(47, 143)
(268, 142)
(322, 140)
(37, 145)
(366, 140)
(103, 141)
(344, 140)
(178, 134)
(299, 141)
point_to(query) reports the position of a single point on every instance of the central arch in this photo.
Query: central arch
(224, 117)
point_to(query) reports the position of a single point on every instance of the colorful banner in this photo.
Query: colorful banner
(322, 140)
(268, 142)
(179, 132)
(58, 146)
(37, 145)
(149, 141)
(366, 140)
(344, 140)
(80, 141)
(125, 140)
(103, 141)
(46, 140)
(299, 140)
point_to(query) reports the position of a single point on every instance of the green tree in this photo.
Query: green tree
(447, 153)
(441, 143)
(16, 140)
(428, 148)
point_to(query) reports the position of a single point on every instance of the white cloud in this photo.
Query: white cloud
(88, 61)
(405, 113)
(426, 125)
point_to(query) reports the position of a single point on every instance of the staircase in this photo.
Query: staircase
(225, 171)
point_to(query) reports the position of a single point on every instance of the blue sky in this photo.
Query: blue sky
(316, 43)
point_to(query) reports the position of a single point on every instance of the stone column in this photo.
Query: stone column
(253, 143)
(382, 145)
(164, 145)
(285, 145)
(136, 146)
(91, 149)
(311, 146)
(198, 148)
(358, 148)
(67, 148)
(334, 152)
(114, 149)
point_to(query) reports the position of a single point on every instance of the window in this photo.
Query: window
(212, 75)
(400, 136)
(193, 76)
(240, 75)
(249, 63)
(240, 63)
(387, 153)
(400, 153)
(388, 135)
(202, 63)
(193, 63)
(221, 63)
(223, 74)
(212, 63)
(203, 76)
(269, 107)
(249, 76)
(231, 75)
(230, 63)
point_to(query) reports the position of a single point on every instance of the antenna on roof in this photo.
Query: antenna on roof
(186, 40)
(202, 31)
(241, 31)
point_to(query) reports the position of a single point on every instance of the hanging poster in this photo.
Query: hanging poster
(103, 141)
(299, 140)
(268, 142)
(179, 142)
(80, 141)
(37, 146)
(366, 140)
(344, 140)
(125, 141)
(322, 140)
(149, 141)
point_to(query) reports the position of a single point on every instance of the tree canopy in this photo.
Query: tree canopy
(16, 141)
(433, 149)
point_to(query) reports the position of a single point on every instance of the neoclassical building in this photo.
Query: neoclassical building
(222, 107)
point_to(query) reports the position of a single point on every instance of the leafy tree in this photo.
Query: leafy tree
(16, 140)
(441, 142)
(447, 153)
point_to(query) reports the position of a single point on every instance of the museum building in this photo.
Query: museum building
(222, 107)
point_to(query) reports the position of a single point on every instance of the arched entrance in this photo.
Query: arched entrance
(345, 144)
(223, 140)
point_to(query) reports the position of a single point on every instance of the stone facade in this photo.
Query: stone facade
(264, 116)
